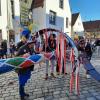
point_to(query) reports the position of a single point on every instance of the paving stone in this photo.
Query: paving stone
(10, 98)
(98, 97)
(65, 98)
(39, 99)
(95, 94)
(57, 92)
(52, 89)
(17, 97)
(73, 97)
(40, 95)
(91, 98)
(6, 95)
(2, 99)
(49, 98)
(81, 96)
(85, 92)
(55, 99)
(56, 96)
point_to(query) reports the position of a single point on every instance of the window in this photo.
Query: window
(61, 3)
(25, 1)
(66, 22)
(12, 8)
(0, 7)
(52, 17)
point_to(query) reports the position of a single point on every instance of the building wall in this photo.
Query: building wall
(16, 21)
(62, 14)
(39, 18)
(3, 19)
(41, 15)
(6, 23)
(78, 27)
(21, 12)
(9, 23)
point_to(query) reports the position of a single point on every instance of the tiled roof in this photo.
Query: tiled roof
(92, 25)
(74, 18)
(37, 3)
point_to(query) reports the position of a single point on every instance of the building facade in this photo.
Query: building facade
(25, 12)
(13, 16)
(77, 25)
(92, 29)
(5, 19)
(48, 14)
(9, 9)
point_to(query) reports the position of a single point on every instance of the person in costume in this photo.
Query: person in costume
(82, 51)
(50, 47)
(81, 48)
(24, 49)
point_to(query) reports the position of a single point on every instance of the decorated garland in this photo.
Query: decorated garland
(7, 65)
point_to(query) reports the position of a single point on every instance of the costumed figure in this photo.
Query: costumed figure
(24, 50)
(83, 52)
(81, 48)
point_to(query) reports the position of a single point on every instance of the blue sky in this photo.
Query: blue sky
(89, 9)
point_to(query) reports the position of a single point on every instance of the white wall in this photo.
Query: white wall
(41, 15)
(17, 7)
(68, 14)
(38, 19)
(78, 27)
(61, 15)
(3, 19)
(16, 21)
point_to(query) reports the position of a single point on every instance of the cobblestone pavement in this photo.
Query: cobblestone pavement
(52, 89)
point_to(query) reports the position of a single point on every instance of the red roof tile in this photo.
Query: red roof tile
(92, 25)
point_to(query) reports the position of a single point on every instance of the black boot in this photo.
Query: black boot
(22, 98)
(27, 95)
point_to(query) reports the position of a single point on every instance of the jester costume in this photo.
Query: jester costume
(24, 74)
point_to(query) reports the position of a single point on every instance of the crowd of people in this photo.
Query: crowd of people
(4, 49)
(23, 48)
(13, 48)
(84, 46)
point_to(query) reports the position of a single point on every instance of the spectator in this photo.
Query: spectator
(88, 50)
(1, 52)
(51, 46)
(4, 48)
(12, 48)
